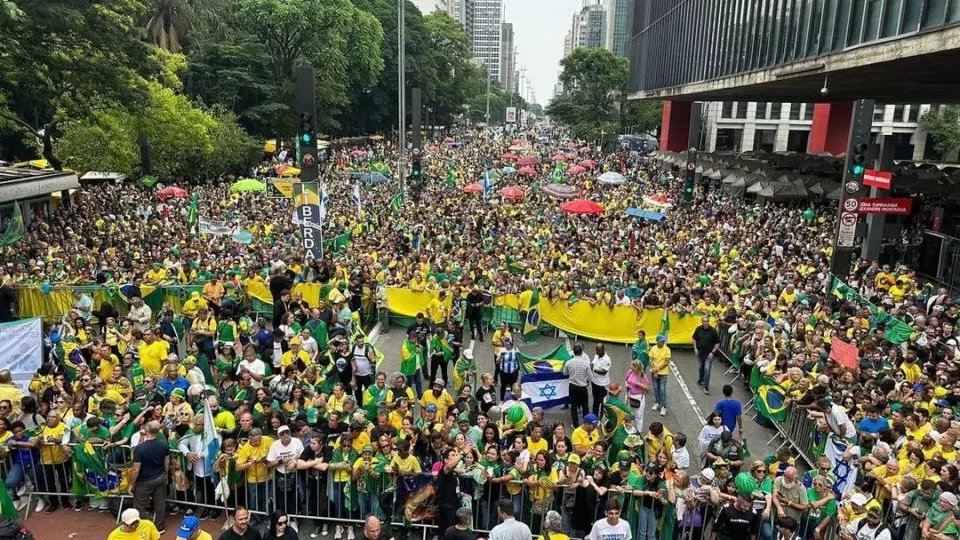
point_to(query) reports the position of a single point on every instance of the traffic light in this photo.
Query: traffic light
(689, 179)
(416, 171)
(858, 159)
(306, 128)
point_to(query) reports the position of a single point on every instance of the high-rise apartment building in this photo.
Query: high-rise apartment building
(508, 55)
(589, 27)
(429, 6)
(617, 26)
(464, 14)
(487, 35)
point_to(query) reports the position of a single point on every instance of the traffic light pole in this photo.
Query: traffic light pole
(852, 188)
(306, 98)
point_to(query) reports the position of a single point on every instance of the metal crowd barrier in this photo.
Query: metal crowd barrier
(311, 496)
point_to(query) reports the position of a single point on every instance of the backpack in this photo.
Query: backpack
(12, 530)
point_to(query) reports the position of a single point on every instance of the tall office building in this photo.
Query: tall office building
(464, 14)
(508, 55)
(617, 25)
(589, 26)
(568, 43)
(487, 35)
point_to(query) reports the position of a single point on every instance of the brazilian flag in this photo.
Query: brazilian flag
(771, 402)
(531, 326)
(615, 413)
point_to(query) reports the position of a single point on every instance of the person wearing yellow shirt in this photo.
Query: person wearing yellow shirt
(437, 309)
(153, 353)
(295, 356)
(660, 357)
(536, 442)
(191, 308)
(911, 370)
(107, 361)
(658, 438)
(252, 458)
(102, 393)
(437, 395)
(402, 463)
(788, 296)
(417, 284)
(337, 398)
(585, 435)
(884, 279)
(53, 440)
(213, 293)
(133, 528)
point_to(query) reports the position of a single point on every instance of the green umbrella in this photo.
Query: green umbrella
(248, 184)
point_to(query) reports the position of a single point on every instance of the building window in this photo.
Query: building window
(797, 139)
(728, 140)
(764, 140)
(898, 113)
(775, 111)
(878, 111)
(808, 111)
(794, 111)
(914, 114)
(727, 110)
(741, 109)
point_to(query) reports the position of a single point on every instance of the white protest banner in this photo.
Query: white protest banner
(21, 349)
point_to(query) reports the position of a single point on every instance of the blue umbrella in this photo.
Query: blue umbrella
(508, 169)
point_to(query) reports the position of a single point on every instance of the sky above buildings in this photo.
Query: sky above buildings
(539, 27)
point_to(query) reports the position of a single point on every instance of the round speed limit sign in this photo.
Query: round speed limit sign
(851, 205)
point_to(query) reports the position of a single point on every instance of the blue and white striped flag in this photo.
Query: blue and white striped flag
(356, 198)
(324, 201)
(487, 185)
(211, 441)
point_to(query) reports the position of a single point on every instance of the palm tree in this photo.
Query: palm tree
(168, 25)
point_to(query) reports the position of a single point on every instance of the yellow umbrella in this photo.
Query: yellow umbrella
(270, 146)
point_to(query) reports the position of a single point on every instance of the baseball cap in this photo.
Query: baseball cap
(574, 458)
(431, 408)
(438, 381)
(661, 338)
(188, 526)
(720, 462)
(949, 497)
(130, 516)
(281, 429)
(592, 419)
(708, 474)
(178, 392)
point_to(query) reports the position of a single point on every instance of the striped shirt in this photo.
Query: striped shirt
(509, 363)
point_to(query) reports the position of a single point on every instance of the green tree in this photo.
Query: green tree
(943, 123)
(63, 60)
(594, 82)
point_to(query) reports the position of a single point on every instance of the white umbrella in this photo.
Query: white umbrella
(612, 178)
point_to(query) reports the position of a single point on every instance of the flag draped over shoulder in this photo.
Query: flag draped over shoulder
(543, 379)
(211, 441)
(531, 326)
(14, 231)
(615, 413)
(396, 201)
(92, 477)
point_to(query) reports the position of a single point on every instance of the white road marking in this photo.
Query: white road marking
(374, 334)
(470, 346)
(686, 391)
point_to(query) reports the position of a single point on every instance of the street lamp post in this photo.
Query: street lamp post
(401, 90)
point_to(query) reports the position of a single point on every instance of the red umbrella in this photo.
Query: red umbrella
(512, 193)
(356, 153)
(529, 171)
(588, 163)
(585, 149)
(516, 141)
(473, 188)
(171, 192)
(571, 155)
(526, 161)
(571, 144)
(559, 157)
(581, 206)
(434, 148)
(576, 169)
(448, 139)
(508, 155)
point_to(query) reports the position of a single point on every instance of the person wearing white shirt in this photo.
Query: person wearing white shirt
(194, 448)
(309, 345)
(282, 455)
(253, 365)
(611, 527)
(599, 377)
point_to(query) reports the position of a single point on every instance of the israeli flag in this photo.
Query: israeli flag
(546, 389)
(356, 198)
(487, 185)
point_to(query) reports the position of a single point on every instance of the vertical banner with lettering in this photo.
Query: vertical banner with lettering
(21, 349)
(306, 200)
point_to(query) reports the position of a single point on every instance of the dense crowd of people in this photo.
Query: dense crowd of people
(311, 427)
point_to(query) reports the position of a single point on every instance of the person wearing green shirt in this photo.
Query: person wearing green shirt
(651, 500)
(412, 359)
(367, 470)
(640, 348)
(822, 508)
(375, 395)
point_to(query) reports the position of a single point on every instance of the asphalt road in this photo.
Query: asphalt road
(687, 403)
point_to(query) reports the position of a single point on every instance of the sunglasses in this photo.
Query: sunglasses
(284, 522)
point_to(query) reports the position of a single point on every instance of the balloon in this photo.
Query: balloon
(515, 414)
(808, 214)
(45, 288)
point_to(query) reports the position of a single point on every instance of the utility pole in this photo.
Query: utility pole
(487, 65)
(401, 91)
(852, 186)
